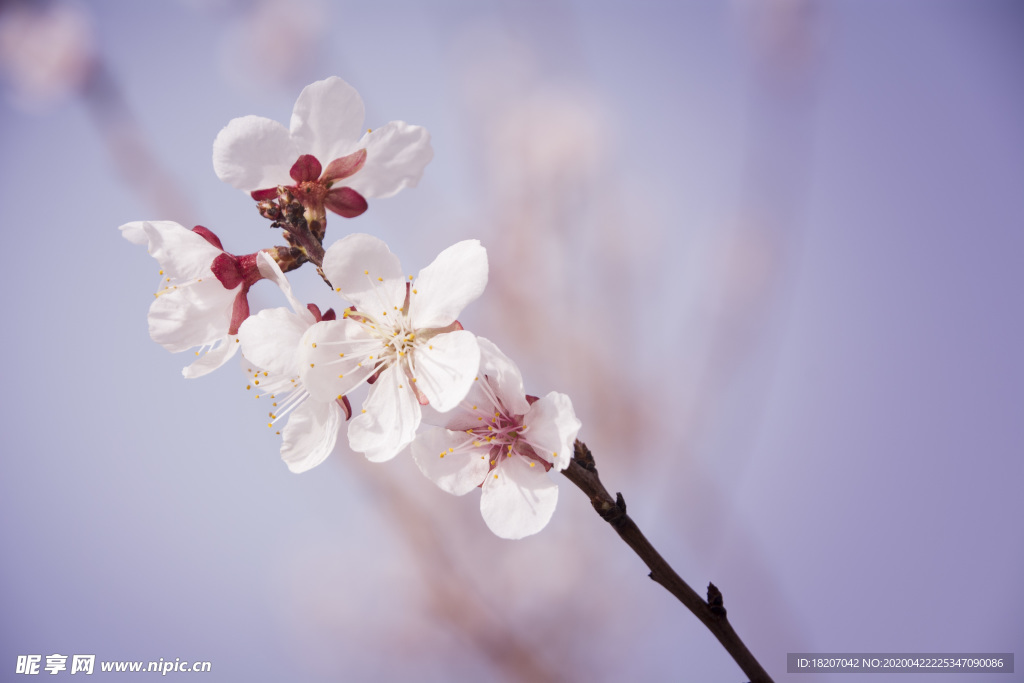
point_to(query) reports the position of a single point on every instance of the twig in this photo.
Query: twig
(583, 473)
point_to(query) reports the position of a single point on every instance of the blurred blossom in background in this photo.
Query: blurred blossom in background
(772, 251)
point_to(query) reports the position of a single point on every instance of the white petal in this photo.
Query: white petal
(191, 315)
(310, 435)
(459, 470)
(463, 416)
(552, 428)
(254, 153)
(135, 233)
(212, 359)
(456, 277)
(518, 500)
(270, 270)
(389, 418)
(327, 374)
(181, 253)
(270, 339)
(446, 368)
(396, 155)
(327, 120)
(504, 377)
(363, 270)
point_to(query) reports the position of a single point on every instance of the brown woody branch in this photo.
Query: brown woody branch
(583, 473)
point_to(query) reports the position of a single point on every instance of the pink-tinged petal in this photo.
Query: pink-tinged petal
(551, 428)
(363, 270)
(240, 311)
(396, 155)
(342, 168)
(388, 420)
(517, 499)
(192, 315)
(182, 254)
(448, 461)
(332, 358)
(345, 202)
(327, 118)
(226, 269)
(212, 359)
(310, 435)
(306, 169)
(446, 368)
(270, 339)
(504, 376)
(209, 236)
(463, 416)
(253, 153)
(271, 271)
(456, 277)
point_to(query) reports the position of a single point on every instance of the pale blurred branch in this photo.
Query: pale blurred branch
(454, 594)
(136, 162)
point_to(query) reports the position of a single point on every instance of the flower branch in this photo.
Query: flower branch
(582, 472)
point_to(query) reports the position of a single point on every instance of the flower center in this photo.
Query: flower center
(501, 432)
(312, 194)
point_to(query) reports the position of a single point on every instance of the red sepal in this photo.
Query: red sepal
(208, 235)
(345, 202)
(344, 167)
(228, 270)
(305, 169)
(263, 195)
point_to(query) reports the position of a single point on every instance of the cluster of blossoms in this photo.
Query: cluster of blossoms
(452, 398)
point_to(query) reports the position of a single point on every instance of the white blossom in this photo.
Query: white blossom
(500, 441)
(401, 334)
(257, 155)
(203, 293)
(270, 342)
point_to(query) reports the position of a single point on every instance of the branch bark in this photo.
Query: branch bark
(582, 472)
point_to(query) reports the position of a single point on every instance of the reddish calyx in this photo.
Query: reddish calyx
(314, 186)
(233, 271)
